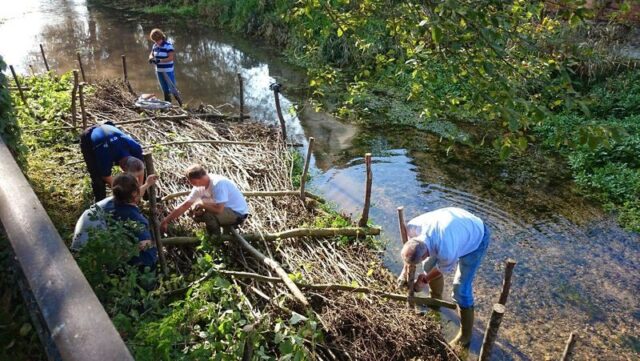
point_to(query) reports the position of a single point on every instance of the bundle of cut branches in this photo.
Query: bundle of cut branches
(358, 327)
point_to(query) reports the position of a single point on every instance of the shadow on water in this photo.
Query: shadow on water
(577, 270)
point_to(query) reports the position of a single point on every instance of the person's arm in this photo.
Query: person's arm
(168, 59)
(431, 275)
(175, 214)
(215, 208)
(151, 180)
(108, 180)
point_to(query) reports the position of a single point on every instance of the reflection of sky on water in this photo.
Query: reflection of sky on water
(206, 66)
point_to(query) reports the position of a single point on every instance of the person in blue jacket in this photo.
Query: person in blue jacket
(104, 146)
(126, 195)
(162, 55)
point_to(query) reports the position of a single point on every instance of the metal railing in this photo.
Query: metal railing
(72, 316)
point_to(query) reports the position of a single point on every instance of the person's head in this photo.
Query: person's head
(414, 251)
(197, 176)
(133, 166)
(125, 188)
(157, 36)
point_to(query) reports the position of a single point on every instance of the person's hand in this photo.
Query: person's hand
(421, 283)
(144, 245)
(154, 61)
(401, 282)
(198, 209)
(151, 180)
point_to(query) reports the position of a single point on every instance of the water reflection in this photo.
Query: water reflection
(206, 63)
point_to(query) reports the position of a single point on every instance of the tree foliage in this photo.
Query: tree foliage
(476, 60)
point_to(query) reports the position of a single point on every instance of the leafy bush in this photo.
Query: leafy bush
(603, 149)
(9, 130)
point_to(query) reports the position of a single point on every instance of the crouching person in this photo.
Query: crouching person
(122, 207)
(439, 240)
(216, 199)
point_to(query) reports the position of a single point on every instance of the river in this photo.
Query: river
(577, 270)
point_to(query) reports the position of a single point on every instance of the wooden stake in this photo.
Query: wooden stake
(124, 68)
(155, 224)
(506, 283)
(46, 64)
(84, 79)
(307, 160)
(291, 233)
(283, 126)
(492, 331)
(367, 192)
(427, 301)
(275, 266)
(82, 109)
(568, 348)
(411, 278)
(15, 78)
(241, 85)
(74, 92)
(171, 196)
(411, 275)
(403, 227)
(126, 77)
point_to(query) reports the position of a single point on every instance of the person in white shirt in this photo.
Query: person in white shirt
(439, 240)
(217, 201)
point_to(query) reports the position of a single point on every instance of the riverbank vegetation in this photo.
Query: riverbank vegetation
(509, 75)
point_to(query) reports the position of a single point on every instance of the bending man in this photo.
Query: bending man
(217, 200)
(104, 146)
(439, 240)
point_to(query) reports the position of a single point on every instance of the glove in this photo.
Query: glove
(154, 61)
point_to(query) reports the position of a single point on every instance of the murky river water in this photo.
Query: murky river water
(577, 270)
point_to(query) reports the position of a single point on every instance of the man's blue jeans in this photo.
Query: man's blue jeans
(467, 267)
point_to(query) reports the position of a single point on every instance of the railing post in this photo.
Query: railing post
(155, 224)
(303, 179)
(367, 192)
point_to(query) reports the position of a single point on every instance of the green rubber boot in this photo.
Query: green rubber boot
(436, 286)
(463, 338)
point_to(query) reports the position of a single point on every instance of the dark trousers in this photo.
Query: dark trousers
(86, 146)
(213, 222)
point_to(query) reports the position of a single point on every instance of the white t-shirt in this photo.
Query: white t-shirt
(220, 190)
(449, 233)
